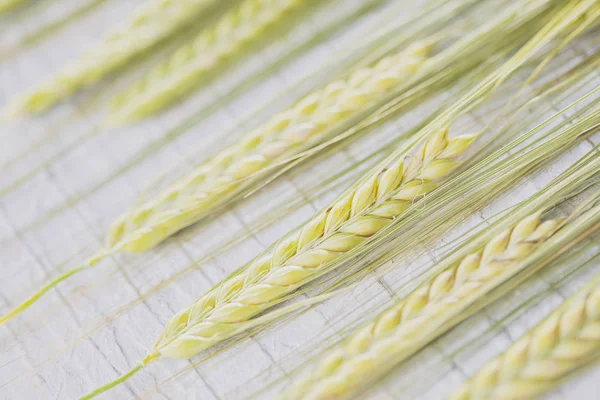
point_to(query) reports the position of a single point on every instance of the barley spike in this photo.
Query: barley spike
(567, 339)
(297, 258)
(369, 352)
(198, 194)
(178, 75)
(150, 24)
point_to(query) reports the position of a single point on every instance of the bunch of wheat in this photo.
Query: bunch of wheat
(215, 182)
(281, 137)
(239, 169)
(180, 215)
(359, 217)
(150, 24)
(301, 256)
(496, 259)
(362, 215)
(178, 75)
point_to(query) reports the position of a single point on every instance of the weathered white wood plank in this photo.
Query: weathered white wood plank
(97, 325)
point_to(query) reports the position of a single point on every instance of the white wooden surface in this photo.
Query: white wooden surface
(61, 189)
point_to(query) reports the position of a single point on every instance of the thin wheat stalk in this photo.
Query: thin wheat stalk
(304, 254)
(284, 135)
(150, 24)
(366, 354)
(179, 74)
(90, 262)
(566, 340)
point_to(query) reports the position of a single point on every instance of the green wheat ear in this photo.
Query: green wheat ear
(149, 25)
(369, 207)
(565, 341)
(178, 75)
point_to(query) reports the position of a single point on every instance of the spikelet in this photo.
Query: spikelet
(566, 340)
(206, 188)
(149, 25)
(350, 221)
(371, 351)
(177, 76)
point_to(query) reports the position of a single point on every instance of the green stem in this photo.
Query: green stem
(149, 358)
(24, 305)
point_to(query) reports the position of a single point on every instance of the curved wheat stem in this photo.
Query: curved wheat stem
(139, 366)
(297, 258)
(206, 188)
(371, 351)
(90, 262)
(566, 340)
(150, 24)
(179, 74)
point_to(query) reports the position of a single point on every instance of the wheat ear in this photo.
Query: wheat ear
(179, 75)
(566, 340)
(299, 257)
(207, 187)
(368, 353)
(149, 25)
